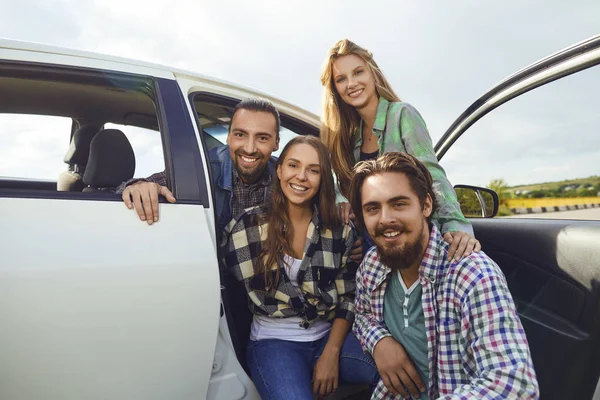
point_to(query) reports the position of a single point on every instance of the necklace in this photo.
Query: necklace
(371, 136)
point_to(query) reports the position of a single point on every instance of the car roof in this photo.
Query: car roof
(153, 69)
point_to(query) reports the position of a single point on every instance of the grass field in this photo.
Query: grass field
(592, 180)
(551, 202)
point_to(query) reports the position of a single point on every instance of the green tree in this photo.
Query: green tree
(469, 203)
(501, 188)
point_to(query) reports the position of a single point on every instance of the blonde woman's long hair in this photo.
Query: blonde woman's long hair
(339, 120)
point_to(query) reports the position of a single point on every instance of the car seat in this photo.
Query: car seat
(77, 157)
(111, 161)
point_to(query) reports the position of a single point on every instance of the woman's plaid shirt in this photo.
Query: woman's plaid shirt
(326, 277)
(477, 348)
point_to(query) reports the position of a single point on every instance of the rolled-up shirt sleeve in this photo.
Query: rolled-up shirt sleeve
(159, 177)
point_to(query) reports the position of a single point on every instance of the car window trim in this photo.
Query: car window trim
(77, 75)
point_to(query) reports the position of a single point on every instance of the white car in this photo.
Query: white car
(95, 304)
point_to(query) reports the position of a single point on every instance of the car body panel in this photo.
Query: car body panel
(95, 304)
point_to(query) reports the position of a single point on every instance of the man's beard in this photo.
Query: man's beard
(400, 257)
(252, 174)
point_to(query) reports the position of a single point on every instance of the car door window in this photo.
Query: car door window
(214, 115)
(43, 108)
(147, 147)
(539, 151)
(33, 146)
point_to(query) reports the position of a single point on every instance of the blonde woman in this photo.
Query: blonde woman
(364, 118)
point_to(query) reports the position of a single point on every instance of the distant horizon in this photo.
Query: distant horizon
(565, 181)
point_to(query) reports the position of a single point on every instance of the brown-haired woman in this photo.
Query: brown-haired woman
(364, 118)
(292, 257)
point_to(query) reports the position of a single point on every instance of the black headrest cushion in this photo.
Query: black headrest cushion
(111, 160)
(79, 149)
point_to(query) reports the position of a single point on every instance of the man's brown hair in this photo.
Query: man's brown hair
(417, 173)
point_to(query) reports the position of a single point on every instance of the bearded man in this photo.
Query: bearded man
(455, 320)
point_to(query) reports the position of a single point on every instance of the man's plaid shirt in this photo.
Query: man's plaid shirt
(159, 177)
(326, 277)
(477, 348)
(246, 196)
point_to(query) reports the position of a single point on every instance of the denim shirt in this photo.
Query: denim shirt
(222, 176)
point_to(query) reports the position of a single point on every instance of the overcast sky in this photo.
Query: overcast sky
(439, 56)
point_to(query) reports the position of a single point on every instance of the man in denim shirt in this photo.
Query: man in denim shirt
(241, 170)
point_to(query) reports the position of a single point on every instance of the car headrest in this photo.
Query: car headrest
(79, 149)
(111, 160)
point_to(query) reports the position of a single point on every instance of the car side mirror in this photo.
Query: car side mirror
(477, 202)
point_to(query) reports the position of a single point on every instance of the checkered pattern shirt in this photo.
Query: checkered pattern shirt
(476, 344)
(246, 196)
(159, 177)
(326, 277)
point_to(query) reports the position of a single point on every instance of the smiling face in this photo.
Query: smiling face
(354, 81)
(300, 174)
(252, 138)
(395, 219)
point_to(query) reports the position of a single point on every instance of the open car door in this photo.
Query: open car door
(551, 260)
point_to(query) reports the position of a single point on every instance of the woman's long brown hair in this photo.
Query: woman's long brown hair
(279, 239)
(340, 121)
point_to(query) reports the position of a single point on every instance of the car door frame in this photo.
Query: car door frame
(548, 235)
(189, 180)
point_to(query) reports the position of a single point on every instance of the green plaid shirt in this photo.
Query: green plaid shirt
(399, 127)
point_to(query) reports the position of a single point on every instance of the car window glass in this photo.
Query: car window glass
(214, 116)
(540, 151)
(49, 118)
(147, 147)
(33, 146)
(220, 134)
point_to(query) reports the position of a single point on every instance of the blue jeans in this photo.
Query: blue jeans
(283, 369)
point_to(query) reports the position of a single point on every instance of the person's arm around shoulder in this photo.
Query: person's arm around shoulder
(142, 195)
(455, 228)
(496, 341)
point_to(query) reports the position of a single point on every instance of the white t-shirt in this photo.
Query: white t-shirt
(289, 328)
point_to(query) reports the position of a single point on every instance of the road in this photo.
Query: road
(589, 214)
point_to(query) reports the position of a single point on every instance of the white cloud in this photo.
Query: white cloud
(553, 168)
(33, 146)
